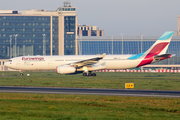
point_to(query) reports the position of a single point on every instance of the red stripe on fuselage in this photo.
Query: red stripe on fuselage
(155, 51)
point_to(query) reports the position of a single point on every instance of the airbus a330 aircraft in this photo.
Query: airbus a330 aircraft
(71, 64)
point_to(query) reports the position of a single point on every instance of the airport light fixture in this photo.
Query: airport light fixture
(122, 42)
(107, 47)
(141, 42)
(15, 35)
(80, 44)
(44, 44)
(112, 42)
(10, 51)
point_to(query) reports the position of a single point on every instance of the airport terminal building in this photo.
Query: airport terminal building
(38, 32)
(87, 30)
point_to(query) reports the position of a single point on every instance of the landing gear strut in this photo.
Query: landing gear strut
(89, 74)
(21, 73)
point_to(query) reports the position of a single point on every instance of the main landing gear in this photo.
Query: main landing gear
(89, 74)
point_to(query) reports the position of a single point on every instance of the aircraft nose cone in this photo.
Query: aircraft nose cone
(6, 64)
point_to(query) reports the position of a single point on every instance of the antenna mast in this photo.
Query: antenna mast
(67, 3)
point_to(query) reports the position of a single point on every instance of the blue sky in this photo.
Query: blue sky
(130, 17)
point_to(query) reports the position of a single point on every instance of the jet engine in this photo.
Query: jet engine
(65, 69)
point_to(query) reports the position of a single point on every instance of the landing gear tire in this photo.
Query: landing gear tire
(21, 74)
(84, 74)
(90, 74)
(94, 74)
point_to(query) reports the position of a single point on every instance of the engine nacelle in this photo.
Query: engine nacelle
(65, 69)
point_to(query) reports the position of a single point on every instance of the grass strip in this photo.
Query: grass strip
(150, 81)
(83, 107)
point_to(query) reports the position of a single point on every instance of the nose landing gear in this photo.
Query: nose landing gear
(21, 73)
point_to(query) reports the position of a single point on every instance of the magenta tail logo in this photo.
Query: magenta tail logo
(155, 51)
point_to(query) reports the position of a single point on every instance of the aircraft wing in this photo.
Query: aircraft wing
(87, 61)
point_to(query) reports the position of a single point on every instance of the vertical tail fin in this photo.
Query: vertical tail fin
(158, 48)
(161, 45)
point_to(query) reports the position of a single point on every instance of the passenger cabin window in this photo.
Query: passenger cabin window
(9, 60)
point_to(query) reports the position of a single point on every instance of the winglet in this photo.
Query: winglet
(103, 55)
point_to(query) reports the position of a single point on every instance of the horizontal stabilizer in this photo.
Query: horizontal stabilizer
(162, 57)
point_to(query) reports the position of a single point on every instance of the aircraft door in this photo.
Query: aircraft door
(50, 63)
(18, 63)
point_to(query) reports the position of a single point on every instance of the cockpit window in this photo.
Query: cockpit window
(9, 60)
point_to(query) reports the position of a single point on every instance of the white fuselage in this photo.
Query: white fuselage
(51, 62)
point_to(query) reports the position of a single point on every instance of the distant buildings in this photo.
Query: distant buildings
(178, 25)
(87, 30)
(38, 32)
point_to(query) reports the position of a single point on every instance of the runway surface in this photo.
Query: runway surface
(89, 91)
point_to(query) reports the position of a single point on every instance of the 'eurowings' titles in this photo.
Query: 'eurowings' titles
(33, 58)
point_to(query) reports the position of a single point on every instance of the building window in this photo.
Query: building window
(73, 9)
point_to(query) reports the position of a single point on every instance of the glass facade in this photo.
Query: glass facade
(69, 35)
(100, 47)
(34, 35)
(55, 35)
(93, 46)
(29, 40)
